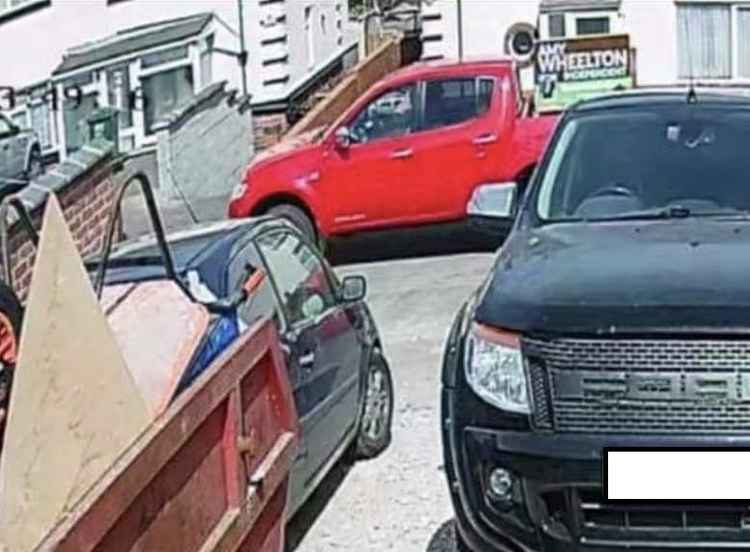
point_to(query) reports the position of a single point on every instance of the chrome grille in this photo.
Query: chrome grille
(641, 385)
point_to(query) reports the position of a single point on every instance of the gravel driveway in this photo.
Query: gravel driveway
(399, 501)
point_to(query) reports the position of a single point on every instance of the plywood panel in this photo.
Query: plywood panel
(74, 406)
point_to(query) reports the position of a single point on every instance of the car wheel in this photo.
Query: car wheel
(298, 217)
(36, 166)
(374, 432)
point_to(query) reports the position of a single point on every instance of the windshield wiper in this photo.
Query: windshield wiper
(674, 212)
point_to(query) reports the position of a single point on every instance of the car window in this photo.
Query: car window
(300, 276)
(390, 115)
(453, 101)
(262, 302)
(686, 157)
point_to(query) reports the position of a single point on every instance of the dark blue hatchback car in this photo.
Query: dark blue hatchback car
(264, 267)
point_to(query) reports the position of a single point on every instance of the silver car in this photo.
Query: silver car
(20, 151)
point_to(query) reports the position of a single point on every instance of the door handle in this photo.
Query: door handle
(307, 361)
(484, 139)
(402, 153)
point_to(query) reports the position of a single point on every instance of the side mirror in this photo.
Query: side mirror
(492, 207)
(353, 288)
(343, 138)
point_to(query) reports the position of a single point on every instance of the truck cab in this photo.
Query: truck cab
(412, 150)
(615, 315)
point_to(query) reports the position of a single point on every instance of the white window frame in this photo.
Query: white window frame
(133, 60)
(734, 8)
(599, 15)
(615, 23)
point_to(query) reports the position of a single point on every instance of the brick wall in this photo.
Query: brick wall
(85, 187)
(268, 129)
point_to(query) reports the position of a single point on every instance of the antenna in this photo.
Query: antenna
(692, 96)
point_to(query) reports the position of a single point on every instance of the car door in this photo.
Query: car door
(375, 179)
(322, 347)
(10, 164)
(246, 266)
(460, 126)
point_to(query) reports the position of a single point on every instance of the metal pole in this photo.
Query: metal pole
(460, 26)
(243, 60)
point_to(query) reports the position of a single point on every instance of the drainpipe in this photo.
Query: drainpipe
(243, 51)
(459, 14)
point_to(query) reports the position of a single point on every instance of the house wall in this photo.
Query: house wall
(48, 32)
(282, 58)
(652, 26)
(276, 38)
(653, 33)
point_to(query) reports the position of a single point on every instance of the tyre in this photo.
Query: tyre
(461, 545)
(298, 217)
(374, 431)
(35, 167)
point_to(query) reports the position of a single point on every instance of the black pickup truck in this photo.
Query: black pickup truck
(617, 313)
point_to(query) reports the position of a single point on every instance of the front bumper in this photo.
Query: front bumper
(557, 505)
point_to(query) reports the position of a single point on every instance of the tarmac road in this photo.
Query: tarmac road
(400, 500)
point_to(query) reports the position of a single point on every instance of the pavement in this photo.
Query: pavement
(175, 214)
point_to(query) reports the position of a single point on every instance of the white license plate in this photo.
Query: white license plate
(676, 474)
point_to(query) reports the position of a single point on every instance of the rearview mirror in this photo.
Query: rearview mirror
(353, 288)
(492, 207)
(343, 138)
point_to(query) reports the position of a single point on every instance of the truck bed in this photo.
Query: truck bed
(210, 474)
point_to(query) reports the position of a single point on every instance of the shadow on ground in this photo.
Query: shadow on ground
(444, 539)
(445, 239)
(305, 518)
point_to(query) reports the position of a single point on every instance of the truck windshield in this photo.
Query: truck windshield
(685, 160)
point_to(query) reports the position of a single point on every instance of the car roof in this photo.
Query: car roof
(191, 241)
(207, 246)
(647, 98)
(447, 67)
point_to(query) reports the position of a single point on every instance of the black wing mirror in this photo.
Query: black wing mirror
(353, 289)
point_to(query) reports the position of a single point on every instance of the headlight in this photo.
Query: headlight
(494, 368)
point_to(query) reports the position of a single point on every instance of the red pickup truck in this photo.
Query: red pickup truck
(418, 148)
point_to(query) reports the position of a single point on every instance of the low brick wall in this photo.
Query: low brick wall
(384, 60)
(85, 186)
(269, 129)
